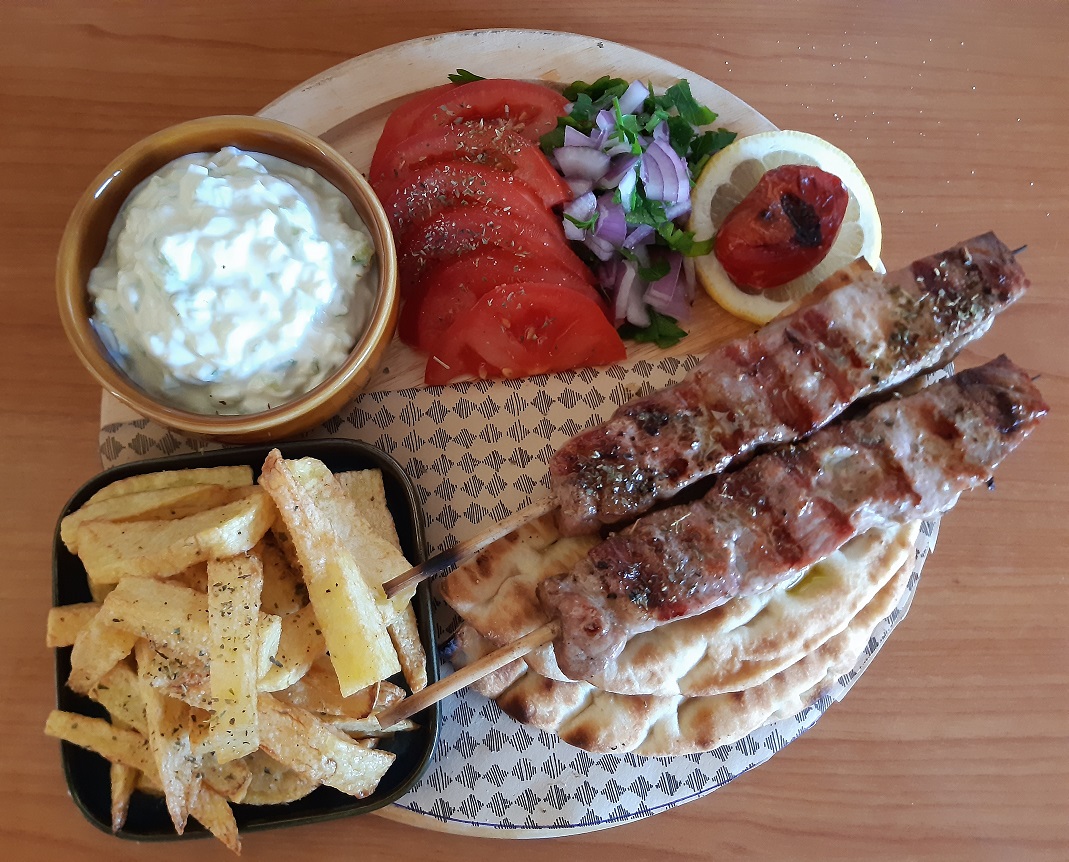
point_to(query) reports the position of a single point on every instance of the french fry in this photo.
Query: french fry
(119, 693)
(123, 784)
(181, 677)
(274, 784)
(368, 728)
(65, 623)
(169, 740)
(379, 559)
(284, 591)
(174, 618)
(111, 552)
(213, 812)
(366, 489)
(300, 644)
(345, 605)
(234, 587)
(194, 577)
(404, 632)
(97, 649)
(159, 504)
(231, 780)
(229, 477)
(317, 691)
(116, 744)
(297, 739)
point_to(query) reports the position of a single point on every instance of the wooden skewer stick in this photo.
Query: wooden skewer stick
(467, 675)
(450, 558)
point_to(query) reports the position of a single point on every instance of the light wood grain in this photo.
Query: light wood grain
(955, 744)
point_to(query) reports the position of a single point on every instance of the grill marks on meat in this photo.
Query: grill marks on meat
(785, 510)
(784, 381)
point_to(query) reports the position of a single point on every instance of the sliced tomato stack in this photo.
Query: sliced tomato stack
(489, 284)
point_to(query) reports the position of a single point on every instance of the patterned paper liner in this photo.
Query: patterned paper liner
(479, 451)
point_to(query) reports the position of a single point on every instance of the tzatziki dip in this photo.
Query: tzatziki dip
(233, 282)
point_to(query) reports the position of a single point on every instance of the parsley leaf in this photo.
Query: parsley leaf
(584, 224)
(602, 87)
(656, 270)
(683, 240)
(690, 109)
(704, 146)
(663, 331)
(463, 76)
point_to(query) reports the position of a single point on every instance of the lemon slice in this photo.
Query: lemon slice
(733, 173)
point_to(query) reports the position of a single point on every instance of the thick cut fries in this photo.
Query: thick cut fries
(111, 551)
(208, 642)
(228, 477)
(169, 736)
(159, 504)
(299, 740)
(345, 604)
(234, 587)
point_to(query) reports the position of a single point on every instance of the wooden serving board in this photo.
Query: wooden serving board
(347, 105)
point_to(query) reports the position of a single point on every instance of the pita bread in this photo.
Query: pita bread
(662, 726)
(730, 648)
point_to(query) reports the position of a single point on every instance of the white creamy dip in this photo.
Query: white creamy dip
(233, 282)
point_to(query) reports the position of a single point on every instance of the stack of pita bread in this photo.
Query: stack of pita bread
(691, 685)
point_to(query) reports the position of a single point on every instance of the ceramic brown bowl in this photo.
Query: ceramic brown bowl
(86, 235)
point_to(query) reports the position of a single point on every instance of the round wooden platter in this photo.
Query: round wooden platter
(347, 105)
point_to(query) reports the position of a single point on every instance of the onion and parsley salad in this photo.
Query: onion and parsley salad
(630, 155)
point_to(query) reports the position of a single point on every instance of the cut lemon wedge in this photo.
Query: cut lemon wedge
(734, 172)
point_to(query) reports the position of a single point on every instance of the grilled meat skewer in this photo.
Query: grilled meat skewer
(785, 510)
(784, 381)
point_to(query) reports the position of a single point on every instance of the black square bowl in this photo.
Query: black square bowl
(87, 773)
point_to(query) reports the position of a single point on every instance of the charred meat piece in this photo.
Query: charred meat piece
(906, 459)
(784, 381)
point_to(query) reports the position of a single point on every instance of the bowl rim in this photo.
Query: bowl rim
(73, 301)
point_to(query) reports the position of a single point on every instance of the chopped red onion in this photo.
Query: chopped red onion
(664, 174)
(602, 250)
(620, 166)
(612, 224)
(581, 209)
(639, 235)
(668, 295)
(636, 308)
(579, 186)
(627, 285)
(627, 188)
(633, 97)
(574, 138)
(583, 162)
(674, 211)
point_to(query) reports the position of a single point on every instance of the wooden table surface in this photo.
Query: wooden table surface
(955, 744)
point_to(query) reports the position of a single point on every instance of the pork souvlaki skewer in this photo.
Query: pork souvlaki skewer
(779, 384)
(783, 382)
(785, 510)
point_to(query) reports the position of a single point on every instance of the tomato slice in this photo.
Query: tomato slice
(517, 330)
(424, 192)
(493, 144)
(451, 288)
(402, 123)
(783, 228)
(532, 109)
(459, 230)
